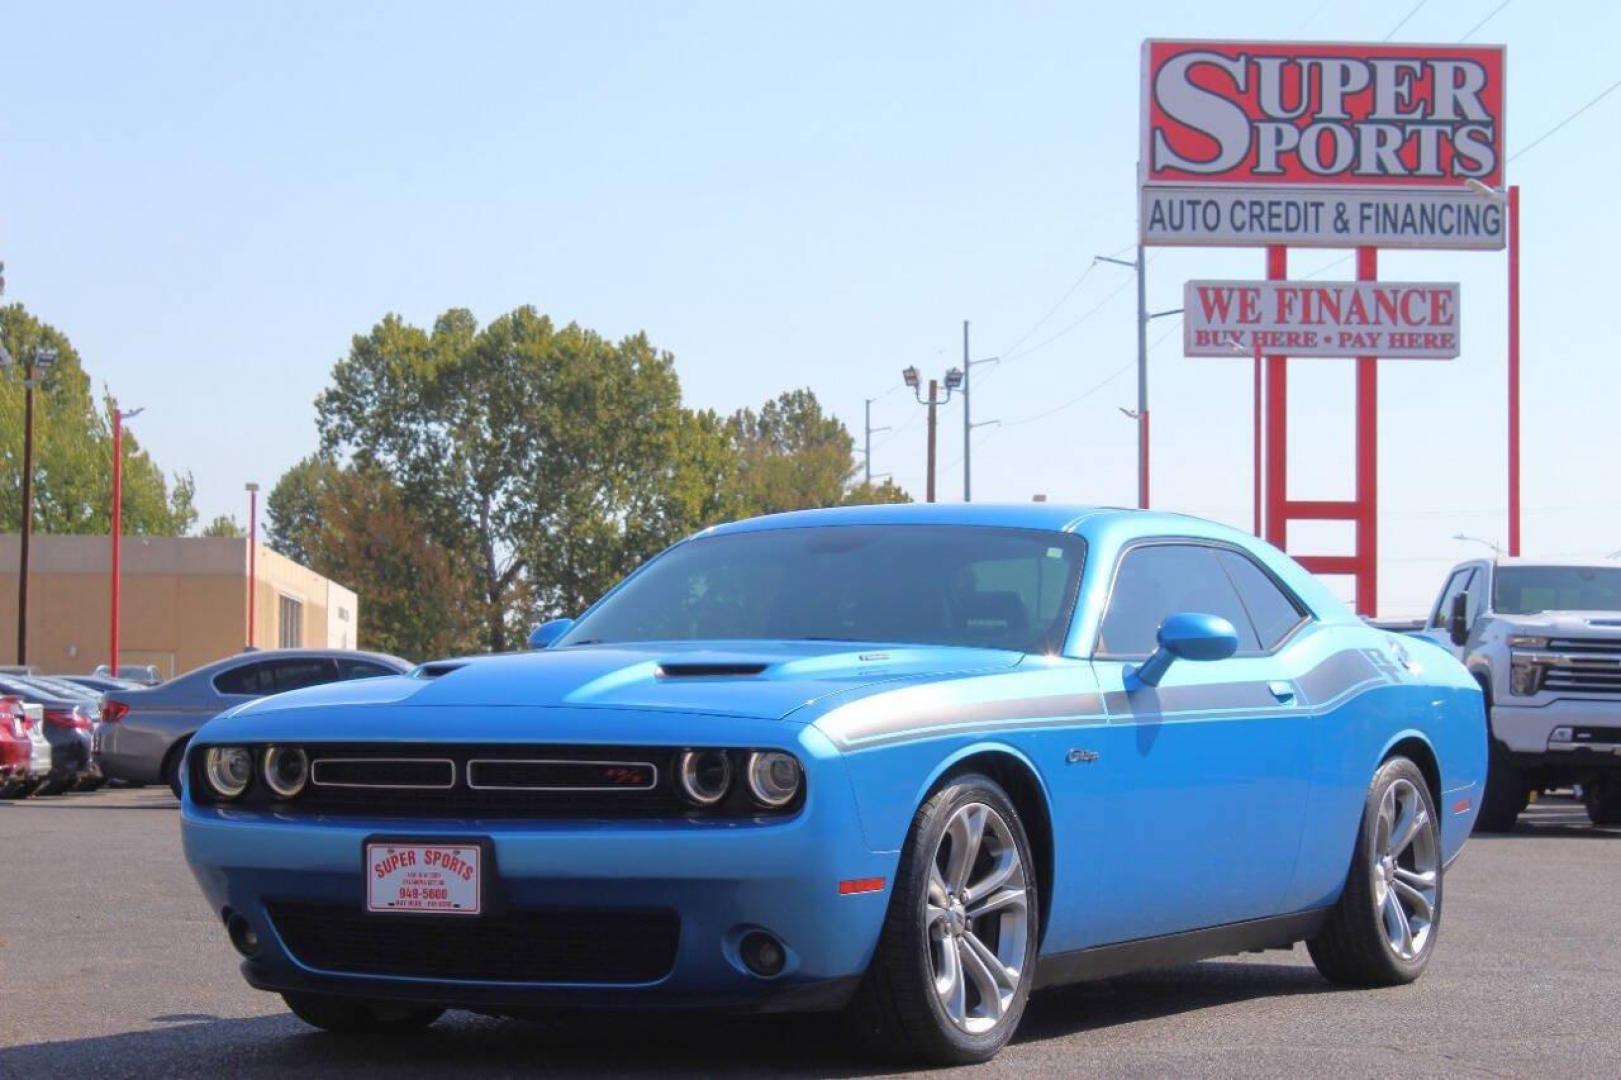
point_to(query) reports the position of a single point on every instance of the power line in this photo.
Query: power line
(1490, 15)
(1606, 92)
(1416, 9)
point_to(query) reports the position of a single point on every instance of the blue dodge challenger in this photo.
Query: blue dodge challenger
(911, 762)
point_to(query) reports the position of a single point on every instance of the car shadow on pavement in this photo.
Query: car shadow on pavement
(591, 1044)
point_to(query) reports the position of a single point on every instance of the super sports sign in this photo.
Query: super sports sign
(1320, 144)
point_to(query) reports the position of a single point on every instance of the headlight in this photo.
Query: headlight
(773, 778)
(705, 776)
(287, 769)
(1524, 679)
(1527, 641)
(229, 770)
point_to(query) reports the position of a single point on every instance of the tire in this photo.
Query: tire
(1506, 794)
(171, 765)
(1366, 941)
(898, 1010)
(1603, 801)
(357, 1016)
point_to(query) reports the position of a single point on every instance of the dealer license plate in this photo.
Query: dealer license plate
(427, 879)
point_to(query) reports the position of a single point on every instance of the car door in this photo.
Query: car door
(1208, 773)
(1467, 581)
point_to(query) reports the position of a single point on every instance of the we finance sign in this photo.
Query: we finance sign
(1247, 144)
(1400, 320)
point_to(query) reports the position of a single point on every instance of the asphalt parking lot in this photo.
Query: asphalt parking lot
(111, 966)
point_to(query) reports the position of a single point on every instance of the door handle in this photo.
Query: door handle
(1284, 692)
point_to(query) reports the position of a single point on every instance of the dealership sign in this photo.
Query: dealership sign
(1322, 145)
(1399, 320)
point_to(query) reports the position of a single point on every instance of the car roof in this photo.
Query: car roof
(1053, 517)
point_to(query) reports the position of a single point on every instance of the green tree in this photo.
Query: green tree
(73, 448)
(223, 525)
(292, 510)
(792, 455)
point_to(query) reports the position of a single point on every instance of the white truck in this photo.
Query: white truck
(1544, 640)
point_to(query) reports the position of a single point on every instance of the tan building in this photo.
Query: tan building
(185, 602)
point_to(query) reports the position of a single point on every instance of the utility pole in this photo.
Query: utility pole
(1144, 317)
(968, 424)
(933, 401)
(866, 446)
(253, 551)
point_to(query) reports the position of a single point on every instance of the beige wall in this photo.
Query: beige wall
(184, 601)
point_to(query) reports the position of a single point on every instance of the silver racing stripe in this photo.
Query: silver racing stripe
(932, 709)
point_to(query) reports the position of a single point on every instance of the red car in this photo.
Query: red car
(25, 754)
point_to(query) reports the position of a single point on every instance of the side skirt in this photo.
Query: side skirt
(1107, 961)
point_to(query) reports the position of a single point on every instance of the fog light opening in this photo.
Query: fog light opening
(243, 936)
(762, 954)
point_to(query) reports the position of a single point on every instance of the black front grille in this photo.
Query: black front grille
(475, 781)
(550, 946)
(1596, 735)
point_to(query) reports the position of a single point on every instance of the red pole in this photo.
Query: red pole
(1514, 370)
(117, 534)
(1255, 440)
(1367, 460)
(1277, 418)
(253, 546)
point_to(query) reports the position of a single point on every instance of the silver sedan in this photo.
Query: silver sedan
(144, 732)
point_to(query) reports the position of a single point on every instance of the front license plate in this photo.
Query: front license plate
(425, 879)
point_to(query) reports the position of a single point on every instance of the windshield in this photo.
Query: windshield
(1526, 590)
(904, 584)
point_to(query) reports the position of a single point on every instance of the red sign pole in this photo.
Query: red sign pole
(1277, 418)
(1255, 440)
(1367, 460)
(1514, 370)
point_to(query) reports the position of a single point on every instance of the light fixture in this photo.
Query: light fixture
(953, 378)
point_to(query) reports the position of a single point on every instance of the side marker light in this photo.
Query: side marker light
(855, 886)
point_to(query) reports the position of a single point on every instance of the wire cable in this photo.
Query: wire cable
(1540, 139)
(1405, 18)
(1490, 15)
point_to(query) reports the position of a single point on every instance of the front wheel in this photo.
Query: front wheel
(1603, 801)
(1506, 795)
(956, 956)
(356, 1016)
(1382, 931)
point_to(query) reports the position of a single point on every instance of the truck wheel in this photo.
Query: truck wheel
(956, 956)
(356, 1016)
(1603, 801)
(1506, 794)
(1382, 931)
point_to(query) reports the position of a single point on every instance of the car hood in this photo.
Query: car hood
(1563, 623)
(764, 680)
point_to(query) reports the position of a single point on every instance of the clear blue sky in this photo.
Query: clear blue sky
(210, 199)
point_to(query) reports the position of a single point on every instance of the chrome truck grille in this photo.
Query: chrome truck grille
(1581, 666)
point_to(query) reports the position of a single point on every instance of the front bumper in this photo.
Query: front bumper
(1528, 732)
(719, 879)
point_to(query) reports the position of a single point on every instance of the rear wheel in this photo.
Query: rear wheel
(1506, 793)
(1382, 931)
(357, 1016)
(1603, 800)
(956, 956)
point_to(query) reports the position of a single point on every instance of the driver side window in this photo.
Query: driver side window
(1157, 580)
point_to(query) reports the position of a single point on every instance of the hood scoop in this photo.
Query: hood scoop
(696, 669)
(436, 670)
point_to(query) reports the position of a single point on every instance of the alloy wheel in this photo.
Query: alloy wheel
(1406, 869)
(977, 918)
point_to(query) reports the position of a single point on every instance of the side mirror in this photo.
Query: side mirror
(1187, 636)
(1458, 619)
(549, 631)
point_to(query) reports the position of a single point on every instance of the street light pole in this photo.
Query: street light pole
(1141, 414)
(933, 401)
(34, 365)
(119, 416)
(253, 551)
(866, 445)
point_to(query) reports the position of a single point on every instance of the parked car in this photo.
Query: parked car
(100, 683)
(1543, 639)
(25, 753)
(142, 674)
(145, 731)
(69, 722)
(909, 761)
